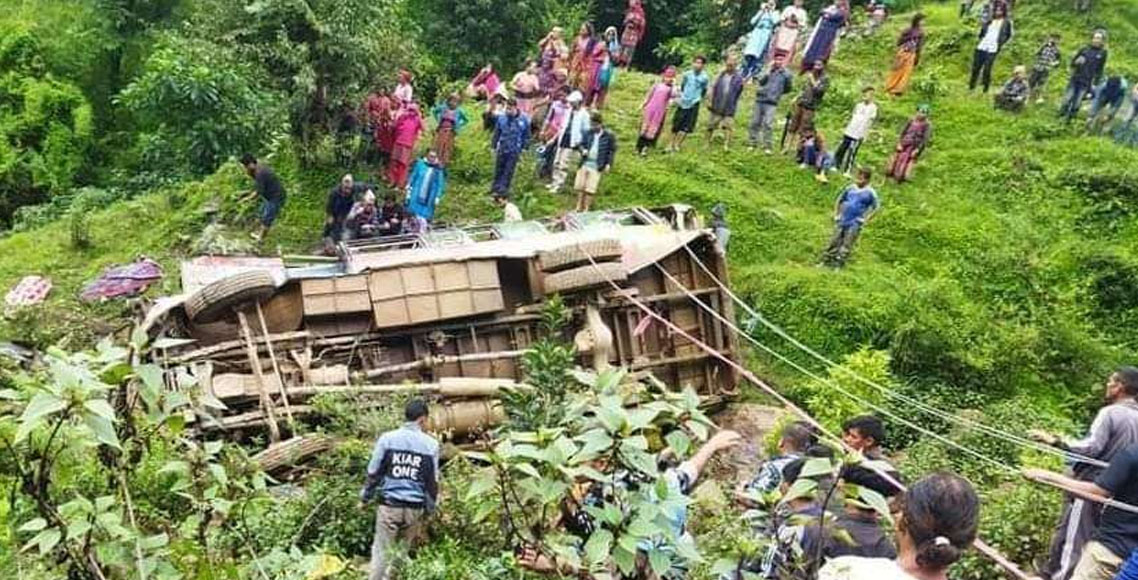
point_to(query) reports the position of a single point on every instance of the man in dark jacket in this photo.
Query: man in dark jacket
(993, 36)
(775, 83)
(1086, 71)
(807, 103)
(341, 198)
(511, 133)
(597, 151)
(725, 92)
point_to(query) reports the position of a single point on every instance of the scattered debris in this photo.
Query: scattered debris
(29, 291)
(120, 281)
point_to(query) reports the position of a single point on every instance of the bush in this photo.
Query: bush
(196, 104)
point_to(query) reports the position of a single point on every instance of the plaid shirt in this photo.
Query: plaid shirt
(1047, 57)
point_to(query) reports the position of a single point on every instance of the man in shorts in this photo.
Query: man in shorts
(270, 190)
(597, 151)
(692, 88)
(724, 100)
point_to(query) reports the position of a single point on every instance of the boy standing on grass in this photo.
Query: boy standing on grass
(854, 208)
(597, 151)
(1046, 59)
(864, 113)
(693, 87)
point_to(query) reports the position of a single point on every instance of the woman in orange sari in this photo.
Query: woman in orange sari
(908, 54)
(581, 58)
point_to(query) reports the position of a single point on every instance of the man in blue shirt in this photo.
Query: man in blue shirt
(511, 133)
(404, 471)
(692, 88)
(854, 208)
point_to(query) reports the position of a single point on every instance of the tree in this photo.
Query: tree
(196, 104)
(45, 126)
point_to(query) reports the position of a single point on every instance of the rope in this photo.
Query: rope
(877, 408)
(980, 545)
(986, 429)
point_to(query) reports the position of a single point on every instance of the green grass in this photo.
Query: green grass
(973, 276)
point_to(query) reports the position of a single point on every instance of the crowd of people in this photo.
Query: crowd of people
(553, 108)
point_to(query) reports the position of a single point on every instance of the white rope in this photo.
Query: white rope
(986, 429)
(877, 408)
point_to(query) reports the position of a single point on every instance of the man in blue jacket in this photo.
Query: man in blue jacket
(404, 472)
(597, 151)
(511, 133)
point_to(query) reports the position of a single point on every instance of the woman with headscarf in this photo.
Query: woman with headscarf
(527, 88)
(654, 110)
(450, 120)
(759, 40)
(908, 54)
(635, 23)
(914, 138)
(825, 34)
(408, 126)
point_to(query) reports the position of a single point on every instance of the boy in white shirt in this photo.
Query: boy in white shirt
(864, 113)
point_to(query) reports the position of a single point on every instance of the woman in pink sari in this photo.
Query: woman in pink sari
(408, 126)
(527, 88)
(635, 23)
(484, 84)
(655, 109)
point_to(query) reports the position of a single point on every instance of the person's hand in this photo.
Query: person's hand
(725, 439)
(1042, 436)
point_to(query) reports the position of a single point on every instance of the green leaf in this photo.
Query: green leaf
(724, 566)
(876, 501)
(33, 525)
(481, 485)
(9, 394)
(219, 474)
(152, 542)
(41, 406)
(816, 466)
(178, 467)
(598, 546)
(641, 418)
(659, 561)
(802, 487)
(104, 503)
(679, 442)
(103, 429)
(698, 429)
(101, 408)
(624, 559)
(45, 540)
(527, 469)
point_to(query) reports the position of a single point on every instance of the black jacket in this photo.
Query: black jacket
(1088, 71)
(606, 150)
(1005, 33)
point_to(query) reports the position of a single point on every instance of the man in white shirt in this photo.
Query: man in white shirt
(569, 140)
(864, 113)
(510, 211)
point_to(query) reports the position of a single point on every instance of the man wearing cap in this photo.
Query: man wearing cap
(404, 472)
(569, 139)
(511, 133)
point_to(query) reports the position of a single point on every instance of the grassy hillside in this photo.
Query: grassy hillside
(982, 275)
(1003, 280)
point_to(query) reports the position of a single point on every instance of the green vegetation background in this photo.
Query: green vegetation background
(1002, 282)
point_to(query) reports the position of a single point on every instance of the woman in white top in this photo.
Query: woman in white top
(936, 524)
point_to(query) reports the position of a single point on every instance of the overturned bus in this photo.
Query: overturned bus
(452, 310)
